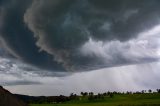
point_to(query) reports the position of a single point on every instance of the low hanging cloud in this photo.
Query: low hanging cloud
(13, 72)
(126, 78)
(80, 35)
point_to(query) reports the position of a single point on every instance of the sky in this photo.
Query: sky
(53, 47)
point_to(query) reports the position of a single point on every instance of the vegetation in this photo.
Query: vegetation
(143, 98)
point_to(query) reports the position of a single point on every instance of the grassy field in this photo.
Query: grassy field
(117, 100)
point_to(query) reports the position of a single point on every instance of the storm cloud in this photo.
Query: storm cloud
(62, 35)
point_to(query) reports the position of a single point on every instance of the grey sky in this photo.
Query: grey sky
(131, 78)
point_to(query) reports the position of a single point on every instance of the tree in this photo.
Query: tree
(73, 96)
(143, 91)
(105, 94)
(86, 94)
(82, 93)
(150, 91)
(111, 95)
(91, 93)
(158, 90)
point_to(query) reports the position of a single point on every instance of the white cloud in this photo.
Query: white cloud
(145, 48)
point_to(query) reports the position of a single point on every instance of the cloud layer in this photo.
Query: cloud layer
(80, 35)
(126, 78)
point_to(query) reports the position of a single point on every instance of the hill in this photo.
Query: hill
(8, 99)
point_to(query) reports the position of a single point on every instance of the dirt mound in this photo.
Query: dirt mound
(8, 99)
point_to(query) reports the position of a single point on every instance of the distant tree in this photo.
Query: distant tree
(158, 90)
(99, 95)
(137, 92)
(73, 96)
(108, 93)
(128, 92)
(86, 94)
(143, 91)
(111, 95)
(91, 93)
(82, 93)
(150, 91)
(105, 94)
(61, 99)
(115, 92)
(91, 97)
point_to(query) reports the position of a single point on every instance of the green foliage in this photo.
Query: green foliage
(144, 99)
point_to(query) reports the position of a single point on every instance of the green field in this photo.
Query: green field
(117, 100)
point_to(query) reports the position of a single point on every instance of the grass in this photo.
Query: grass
(117, 100)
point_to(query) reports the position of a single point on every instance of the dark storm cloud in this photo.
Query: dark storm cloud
(18, 39)
(126, 17)
(49, 33)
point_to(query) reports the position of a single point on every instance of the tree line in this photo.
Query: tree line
(90, 96)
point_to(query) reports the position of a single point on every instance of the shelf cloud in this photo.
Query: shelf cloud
(80, 35)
